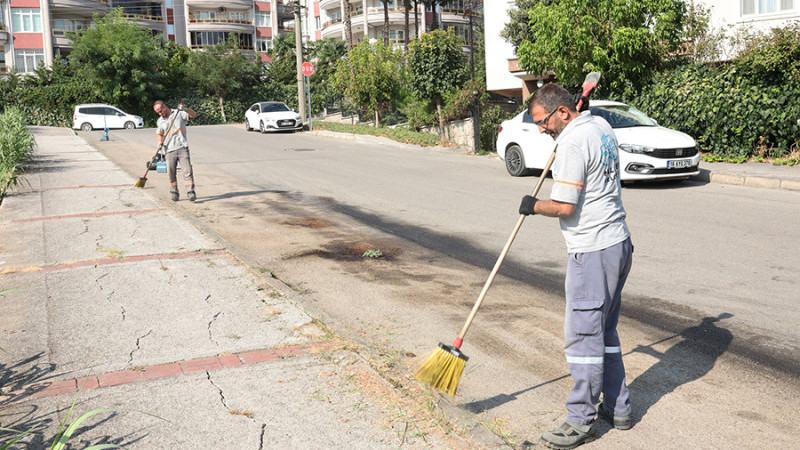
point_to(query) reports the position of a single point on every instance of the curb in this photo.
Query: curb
(753, 181)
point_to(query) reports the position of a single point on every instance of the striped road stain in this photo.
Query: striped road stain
(120, 377)
(84, 215)
(119, 260)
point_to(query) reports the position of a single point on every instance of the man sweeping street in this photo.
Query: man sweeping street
(171, 132)
(586, 197)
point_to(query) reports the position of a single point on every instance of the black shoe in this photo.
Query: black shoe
(175, 196)
(619, 422)
(192, 196)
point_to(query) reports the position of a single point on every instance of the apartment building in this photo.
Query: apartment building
(504, 77)
(367, 19)
(34, 32)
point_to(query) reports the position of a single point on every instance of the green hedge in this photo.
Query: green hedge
(732, 116)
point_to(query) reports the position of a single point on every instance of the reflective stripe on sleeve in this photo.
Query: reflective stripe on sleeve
(613, 350)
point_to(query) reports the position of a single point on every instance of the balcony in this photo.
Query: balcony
(3, 35)
(85, 8)
(217, 4)
(225, 25)
(145, 20)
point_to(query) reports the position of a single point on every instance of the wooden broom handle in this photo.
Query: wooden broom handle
(502, 257)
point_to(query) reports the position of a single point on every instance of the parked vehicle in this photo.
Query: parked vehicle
(93, 116)
(648, 151)
(272, 116)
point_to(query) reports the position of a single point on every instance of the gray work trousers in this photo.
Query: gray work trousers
(173, 157)
(594, 286)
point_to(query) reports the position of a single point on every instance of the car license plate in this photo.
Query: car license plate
(285, 122)
(679, 164)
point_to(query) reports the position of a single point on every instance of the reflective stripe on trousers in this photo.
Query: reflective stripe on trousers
(591, 344)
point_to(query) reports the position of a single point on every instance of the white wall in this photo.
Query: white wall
(498, 51)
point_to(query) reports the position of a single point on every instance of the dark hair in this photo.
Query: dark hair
(551, 96)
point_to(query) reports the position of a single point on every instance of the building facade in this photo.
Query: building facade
(34, 32)
(504, 77)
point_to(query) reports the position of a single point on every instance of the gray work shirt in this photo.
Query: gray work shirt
(175, 137)
(586, 174)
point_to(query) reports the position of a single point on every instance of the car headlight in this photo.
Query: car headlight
(298, 117)
(631, 148)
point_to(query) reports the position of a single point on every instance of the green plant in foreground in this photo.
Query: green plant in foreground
(16, 148)
(372, 254)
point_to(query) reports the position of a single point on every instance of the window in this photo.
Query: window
(263, 44)
(239, 16)
(206, 15)
(63, 26)
(394, 35)
(263, 19)
(27, 60)
(318, 23)
(26, 20)
(750, 7)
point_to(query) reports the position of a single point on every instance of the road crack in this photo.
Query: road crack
(213, 319)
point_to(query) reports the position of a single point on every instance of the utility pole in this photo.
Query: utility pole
(298, 50)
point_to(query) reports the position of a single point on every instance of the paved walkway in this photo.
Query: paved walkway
(111, 300)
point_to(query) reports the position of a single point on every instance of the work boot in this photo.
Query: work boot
(619, 422)
(192, 196)
(175, 196)
(568, 435)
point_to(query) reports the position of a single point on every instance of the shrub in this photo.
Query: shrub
(16, 148)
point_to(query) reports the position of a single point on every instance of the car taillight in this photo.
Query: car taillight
(500, 129)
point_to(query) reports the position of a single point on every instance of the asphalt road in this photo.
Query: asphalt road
(701, 250)
(713, 277)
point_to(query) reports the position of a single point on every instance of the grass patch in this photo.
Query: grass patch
(404, 135)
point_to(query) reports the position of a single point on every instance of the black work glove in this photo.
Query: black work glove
(526, 207)
(584, 104)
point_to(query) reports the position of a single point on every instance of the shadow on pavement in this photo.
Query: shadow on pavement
(682, 363)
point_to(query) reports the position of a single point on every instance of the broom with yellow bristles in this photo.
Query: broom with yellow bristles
(444, 366)
(143, 179)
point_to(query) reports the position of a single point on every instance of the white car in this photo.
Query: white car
(272, 116)
(98, 116)
(648, 151)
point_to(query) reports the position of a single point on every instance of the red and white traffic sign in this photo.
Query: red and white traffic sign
(307, 68)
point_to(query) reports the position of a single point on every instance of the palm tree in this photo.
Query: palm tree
(406, 7)
(348, 27)
(385, 22)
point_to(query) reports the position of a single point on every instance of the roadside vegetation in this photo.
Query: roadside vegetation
(16, 148)
(735, 91)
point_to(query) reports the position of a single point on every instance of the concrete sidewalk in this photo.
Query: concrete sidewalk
(111, 299)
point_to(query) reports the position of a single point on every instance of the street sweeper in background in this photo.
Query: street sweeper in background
(587, 199)
(171, 134)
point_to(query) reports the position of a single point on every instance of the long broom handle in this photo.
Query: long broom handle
(161, 144)
(502, 257)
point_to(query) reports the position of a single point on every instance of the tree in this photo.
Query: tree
(436, 66)
(371, 76)
(406, 30)
(326, 53)
(222, 70)
(627, 40)
(386, 40)
(348, 24)
(122, 61)
(433, 4)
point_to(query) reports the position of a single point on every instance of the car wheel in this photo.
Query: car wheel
(247, 125)
(130, 125)
(515, 162)
(263, 127)
(86, 126)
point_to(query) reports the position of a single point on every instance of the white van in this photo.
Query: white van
(99, 116)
